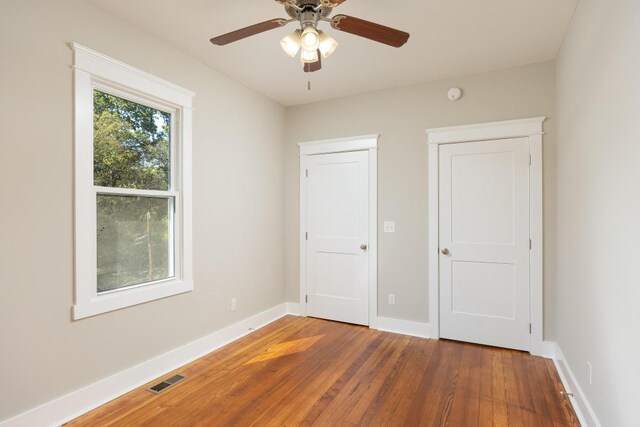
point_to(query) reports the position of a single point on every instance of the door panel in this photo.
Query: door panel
(483, 289)
(335, 275)
(484, 225)
(490, 199)
(338, 224)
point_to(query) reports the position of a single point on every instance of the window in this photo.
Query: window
(133, 186)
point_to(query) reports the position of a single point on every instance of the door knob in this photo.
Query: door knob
(363, 247)
(445, 251)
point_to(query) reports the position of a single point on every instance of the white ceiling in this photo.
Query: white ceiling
(449, 38)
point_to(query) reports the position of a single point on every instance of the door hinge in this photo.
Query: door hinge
(530, 244)
(529, 328)
(306, 236)
(306, 172)
(306, 299)
(530, 160)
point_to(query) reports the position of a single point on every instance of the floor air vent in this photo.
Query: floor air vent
(162, 386)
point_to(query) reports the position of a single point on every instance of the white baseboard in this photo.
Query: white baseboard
(405, 327)
(581, 405)
(545, 349)
(74, 404)
(295, 309)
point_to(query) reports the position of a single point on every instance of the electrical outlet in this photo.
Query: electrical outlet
(233, 304)
(392, 299)
(590, 372)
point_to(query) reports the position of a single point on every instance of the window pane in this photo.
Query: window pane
(135, 240)
(130, 144)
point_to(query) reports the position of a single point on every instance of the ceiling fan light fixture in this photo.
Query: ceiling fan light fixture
(309, 56)
(291, 43)
(328, 44)
(310, 39)
(312, 44)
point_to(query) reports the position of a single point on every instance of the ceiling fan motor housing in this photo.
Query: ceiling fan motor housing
(303, 6)
(309, 19)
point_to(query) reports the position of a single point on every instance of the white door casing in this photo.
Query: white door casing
(438, 138)
(484, 242)
(338, 218)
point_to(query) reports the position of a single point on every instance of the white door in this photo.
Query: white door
(337, 236)
(484, 242)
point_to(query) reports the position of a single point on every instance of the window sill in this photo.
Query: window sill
(130, 297)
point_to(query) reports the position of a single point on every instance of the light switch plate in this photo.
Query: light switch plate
(389, 226)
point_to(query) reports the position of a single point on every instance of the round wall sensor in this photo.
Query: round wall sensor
(454, 94)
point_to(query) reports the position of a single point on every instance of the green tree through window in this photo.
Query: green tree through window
(131, 144)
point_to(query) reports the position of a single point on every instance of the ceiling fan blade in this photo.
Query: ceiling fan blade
(314, 66)
(332, 3)
(248, 31)
(370, 30)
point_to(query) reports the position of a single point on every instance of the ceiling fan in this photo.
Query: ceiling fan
(312, 43)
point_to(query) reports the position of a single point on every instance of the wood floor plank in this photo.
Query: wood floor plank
(392, 407)
(565, 411)
(307, 395)
(433, 400)
(304, 371)
(226, 391)
(485, 410)
(500, 413)
(238, 353)
(323, 403)
(115, 410)
(372, 382)
(308, 380)
(465, 400)
(355, 387)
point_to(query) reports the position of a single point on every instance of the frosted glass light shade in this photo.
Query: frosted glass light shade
(327, 45)
(310, 39)
(291, 43)
(309, 56)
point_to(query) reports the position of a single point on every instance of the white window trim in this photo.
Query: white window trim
(95, 70)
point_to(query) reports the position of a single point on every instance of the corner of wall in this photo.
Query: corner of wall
(581, 405)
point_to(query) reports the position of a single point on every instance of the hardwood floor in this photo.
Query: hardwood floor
(304, 371)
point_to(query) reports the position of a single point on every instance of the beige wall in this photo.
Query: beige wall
(238, 234)
(401, 117)
(598, 205)
(592, 197)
